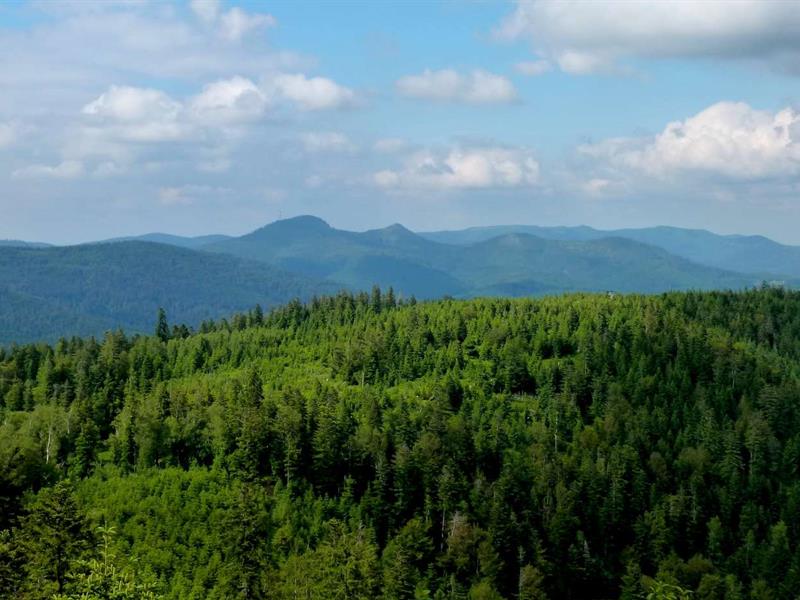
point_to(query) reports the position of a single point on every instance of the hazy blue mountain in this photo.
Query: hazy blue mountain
(172, 240)
(82, 290)
(392, 256)
(509, 263)
(473, 235)
(743, 253)
(523, 261)
(740, 253)
(22, 244)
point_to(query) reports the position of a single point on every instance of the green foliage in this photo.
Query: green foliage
(101, 579)
(52, 536)
(660, 590)
(589, 446)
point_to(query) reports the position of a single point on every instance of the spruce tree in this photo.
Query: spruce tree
(162, 327)
(54, 534)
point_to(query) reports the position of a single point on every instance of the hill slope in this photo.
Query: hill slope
(82, 290)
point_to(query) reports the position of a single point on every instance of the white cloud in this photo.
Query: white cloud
(68, 169)
(236, 23)
(584, 63)
(728, 139)
(463, 168)
(586, 37)
(447, 85)
(533, 68)
(228, 101)
(123, 103)
(126, 122)
(312, 93)
(137, 115)
(233, 24)
(326, 141)
(58, 60)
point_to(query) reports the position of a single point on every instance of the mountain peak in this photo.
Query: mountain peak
(392, 235)
(301, 221)
(398, 229)
(293, 225)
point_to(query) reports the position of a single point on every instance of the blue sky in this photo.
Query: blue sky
(119, 118)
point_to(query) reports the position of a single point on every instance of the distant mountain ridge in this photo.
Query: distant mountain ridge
(753, 254)
(22, 244)
(171, 240)
(427, 268)
(47, 292)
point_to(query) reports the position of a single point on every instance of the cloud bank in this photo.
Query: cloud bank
(590, 37)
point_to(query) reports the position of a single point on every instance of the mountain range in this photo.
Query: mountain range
(740, 253)
(52, 291)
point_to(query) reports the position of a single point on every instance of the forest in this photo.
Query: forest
(360, 446)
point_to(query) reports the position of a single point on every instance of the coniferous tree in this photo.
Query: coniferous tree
(53, 535)
(162, 327)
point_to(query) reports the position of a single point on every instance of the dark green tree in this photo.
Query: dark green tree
(162, 327)
(53, 535)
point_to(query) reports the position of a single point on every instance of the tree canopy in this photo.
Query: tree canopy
(366, 446)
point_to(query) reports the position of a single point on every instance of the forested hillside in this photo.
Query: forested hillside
(47, 293)
(585, 446)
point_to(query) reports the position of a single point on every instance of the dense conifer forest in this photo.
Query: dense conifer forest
(357, 447)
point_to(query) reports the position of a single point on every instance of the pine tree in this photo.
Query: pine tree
(162, 327)
(54, 534)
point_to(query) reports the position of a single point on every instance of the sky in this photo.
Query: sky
(127, 117)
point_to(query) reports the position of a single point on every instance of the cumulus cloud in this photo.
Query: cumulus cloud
(124, 103)
(463, 168)
(137, 114)
(326, 141)
(229, 101)
(58, 60)
(587, 37)
(447, 85)
(123, 120)
(728, 139)
(68, 169)
(313, 93)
